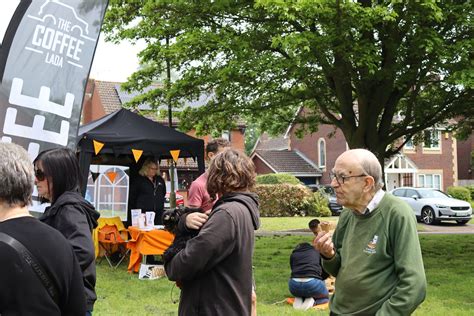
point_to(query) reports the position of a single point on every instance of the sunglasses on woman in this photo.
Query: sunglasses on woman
(39, 174)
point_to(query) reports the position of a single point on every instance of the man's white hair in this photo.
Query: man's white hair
(369, 164)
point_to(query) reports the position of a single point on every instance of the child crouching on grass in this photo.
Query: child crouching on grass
(307, 275)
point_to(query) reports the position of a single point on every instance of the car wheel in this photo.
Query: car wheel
(463, 222)
(428, 216)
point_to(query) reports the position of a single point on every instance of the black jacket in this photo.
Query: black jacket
(215, 267)
(148, 196)
(305, 262)
(75, 218)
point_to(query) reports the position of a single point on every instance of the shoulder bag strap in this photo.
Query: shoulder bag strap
(32, 262)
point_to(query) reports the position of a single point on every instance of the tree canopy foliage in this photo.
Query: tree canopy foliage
(378, 70)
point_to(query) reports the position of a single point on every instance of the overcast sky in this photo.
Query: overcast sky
(114, 62)
(111, 62)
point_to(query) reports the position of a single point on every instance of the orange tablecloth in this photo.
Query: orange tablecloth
(153, 242)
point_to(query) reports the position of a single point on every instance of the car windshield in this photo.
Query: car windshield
(432, 194)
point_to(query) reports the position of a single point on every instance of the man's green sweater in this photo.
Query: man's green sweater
(378, 264)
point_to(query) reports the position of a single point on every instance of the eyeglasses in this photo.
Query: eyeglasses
(340, 179)
(39, 174)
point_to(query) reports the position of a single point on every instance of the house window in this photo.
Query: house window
(421, 180)
(431, 139)
(429, 181)
(322, 152)
(226, 135)
(409, 144)
(437, 181)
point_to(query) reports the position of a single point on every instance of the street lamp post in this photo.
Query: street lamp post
(170, 124)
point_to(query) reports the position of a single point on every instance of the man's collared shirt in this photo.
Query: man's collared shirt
(374, 202)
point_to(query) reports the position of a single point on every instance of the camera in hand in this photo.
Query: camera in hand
(174, 221)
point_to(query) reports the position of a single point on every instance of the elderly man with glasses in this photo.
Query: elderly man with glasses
(374, 253)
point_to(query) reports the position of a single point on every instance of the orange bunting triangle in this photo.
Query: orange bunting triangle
(97, 146)
(175, 154)
(111, 175)
(137, 153)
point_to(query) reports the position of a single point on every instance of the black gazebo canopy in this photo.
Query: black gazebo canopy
(122, 131)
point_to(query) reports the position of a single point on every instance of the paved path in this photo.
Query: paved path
(448, 228)
(443, 228)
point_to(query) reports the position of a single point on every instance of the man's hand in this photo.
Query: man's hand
(323, 243)
(196, 220)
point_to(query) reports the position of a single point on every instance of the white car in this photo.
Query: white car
(432, 206)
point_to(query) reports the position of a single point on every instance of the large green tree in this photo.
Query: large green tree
(380, 71)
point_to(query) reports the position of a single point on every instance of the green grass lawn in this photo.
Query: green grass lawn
(289, 223)
(447, 258)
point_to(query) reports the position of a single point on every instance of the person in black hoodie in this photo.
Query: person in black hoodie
(307, 275)
(58, 181)
(215, 267)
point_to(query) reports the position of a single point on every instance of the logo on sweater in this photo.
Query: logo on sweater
(370, 249)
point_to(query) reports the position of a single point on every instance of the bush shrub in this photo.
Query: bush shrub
(317, 205)
(471, 190)
(282, 199)
(278, 200)
(461, 193)
(276, 178)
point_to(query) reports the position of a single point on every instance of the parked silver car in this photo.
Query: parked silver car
(432, 206)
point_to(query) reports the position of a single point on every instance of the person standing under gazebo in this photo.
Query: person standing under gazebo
(148, 191)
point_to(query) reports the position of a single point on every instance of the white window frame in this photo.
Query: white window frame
(433, 133)
(226, 135)
(436, 180)
(322, 143)
(99, 187)
(437, 184)
(421, 180)
(121, 175)
(409, 145)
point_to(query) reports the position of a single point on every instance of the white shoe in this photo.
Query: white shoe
(307, 304)
(297, 303)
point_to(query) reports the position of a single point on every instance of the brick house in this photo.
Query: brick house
(104, 97)
(434, 164)
(274, 155)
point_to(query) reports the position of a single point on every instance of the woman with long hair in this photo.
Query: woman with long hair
(58, 180)
(215, 267)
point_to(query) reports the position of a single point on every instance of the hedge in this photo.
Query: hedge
(279, 200)
(461, 193)
(318, 205)
(471, 190)
(276, 178)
